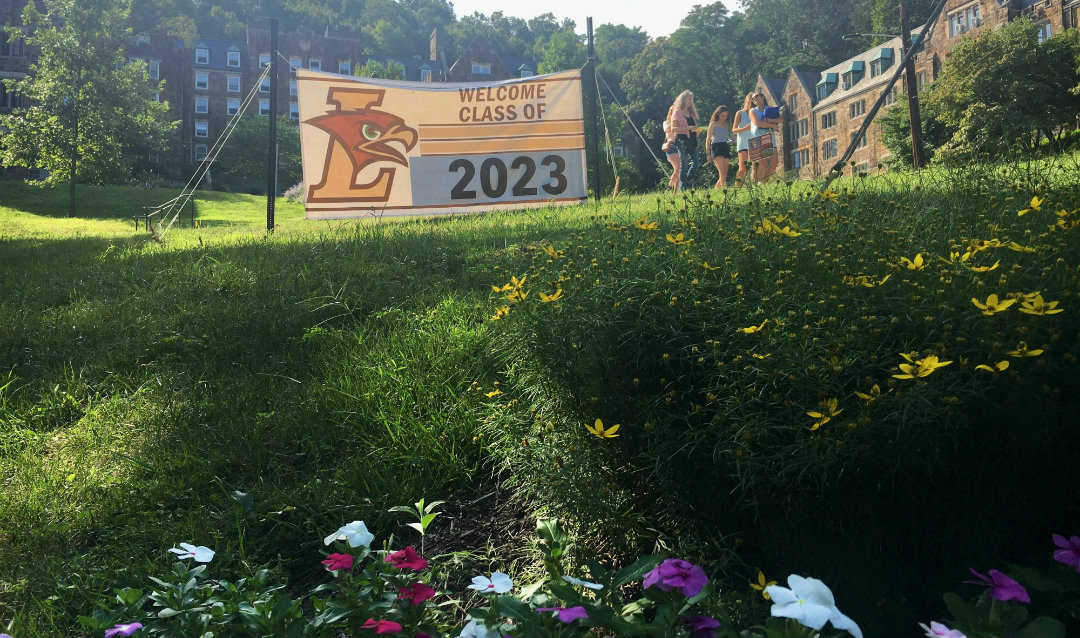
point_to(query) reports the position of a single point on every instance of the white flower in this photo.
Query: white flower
(499, 583)
(581, 583)
(938, 630)
(201, 554)
(356, 533)
(473, 630)
(811, 603)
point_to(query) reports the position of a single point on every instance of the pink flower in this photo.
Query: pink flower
(123, 630)
(382, 626)
(938, 630)
(566, 614)
(1069, 554)
(415, 593)
(337, 562)
(675, 573)
(406, 559)
(1001, 586)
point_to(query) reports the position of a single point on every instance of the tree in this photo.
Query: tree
(1005, 89)
(91, 113)
(244, 156)
(392, 70)
(896, 132)
(616, 45)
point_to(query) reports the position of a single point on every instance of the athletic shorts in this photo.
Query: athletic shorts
(721, 149)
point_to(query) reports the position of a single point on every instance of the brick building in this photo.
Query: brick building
(824, 109)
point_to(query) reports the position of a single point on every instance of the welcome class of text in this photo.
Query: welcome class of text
(531, 94)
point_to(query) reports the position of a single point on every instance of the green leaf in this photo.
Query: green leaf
(417, 526)
(1042, 627)
(402, 508)
(244, 501)
(511, 607)
(636, 570)
(427, 509)
(426, 520)
(168, 612)
(961, 610)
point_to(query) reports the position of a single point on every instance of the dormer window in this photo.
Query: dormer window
(232, 58)
(881, 61)
(525, 71)
(827, 85)
(315, 64)
(481, 69)
(142, 38)
(202, 55)
(264, 60)
(425, 73)
(344, 67)
(296, 63)
(853, 73)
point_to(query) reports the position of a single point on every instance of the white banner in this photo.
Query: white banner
(389, 148)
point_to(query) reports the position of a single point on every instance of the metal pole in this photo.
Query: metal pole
(912, 91)
(271, 142)
(592, 99)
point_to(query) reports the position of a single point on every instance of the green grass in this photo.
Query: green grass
(332, 370)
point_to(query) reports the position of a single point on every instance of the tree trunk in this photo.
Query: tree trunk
(71, 172)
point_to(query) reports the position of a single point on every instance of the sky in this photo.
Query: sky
(655, 17)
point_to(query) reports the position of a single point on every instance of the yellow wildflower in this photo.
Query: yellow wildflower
(913, 264)
(1037, 306)
(828, 196)
(997, 367)
(599, 431)
(550, 250)
(875, 392)
(918, 368)
(1022, 351)
(494, 393)
(761, 584)
(678, 240)
(752, 329)
(557, 295)
(709, 268)
(828, 411)
(644, 224)
(1036, 204)
(500, 313)
(517, 295)
(992, 304)
(985, 268)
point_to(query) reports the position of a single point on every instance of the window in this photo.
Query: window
(828, 149)
(294, 111)
(296, 63)
(425, 75)
(920, 79)
(202, 80)
(292, 87)
(157, 97)
(142, 38)
(8, 98)
(1072, 17)
(857, 108)
(202, 105)
(264, 107)
(264, 60)
(618, 151)
(234, 83)
(153, 69)
(201, 129)
(481, 69)
(964, 19)
(232, 106)
(1044, 32)
(862, 140)
(793, 102)
(803, 126)
(264, 85)
(827, 85)
(153, 158)
(828, 119)
(232, 58)
(891, 97)
(315, 64)
(344, 67)
(202, 55)
(10, 49)
(882, 60)
(200, 152)
(525, 72)
(800, 158)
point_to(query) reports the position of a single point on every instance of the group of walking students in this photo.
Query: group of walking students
(748, 126)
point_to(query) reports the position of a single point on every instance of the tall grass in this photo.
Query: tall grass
(334, 369)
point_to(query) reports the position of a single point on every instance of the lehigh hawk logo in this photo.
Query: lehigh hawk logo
(359, 137)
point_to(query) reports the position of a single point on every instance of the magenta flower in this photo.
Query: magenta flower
(1069, 553)
(123, 630)
(700, 626)
(338, 562)
(1001, 586)
(566, 614)
(675, 573)
(415, 593)
(382, 626)
(406, 559)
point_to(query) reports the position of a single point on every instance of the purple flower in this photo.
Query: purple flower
(675, 573)
(566, 614)
(700, 626)
(1001, 586)
(1069, 553)
(123, 630)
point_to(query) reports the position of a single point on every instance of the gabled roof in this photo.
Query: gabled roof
(858, 63)
(218, 59)
(775, 86)
(808, 80)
